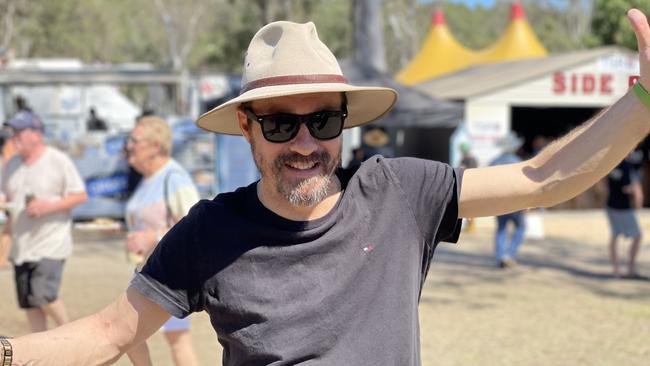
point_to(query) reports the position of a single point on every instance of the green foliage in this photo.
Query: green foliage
(91, 30)
(610, 24)
(221, 45)
(476, 28)
(131, 30)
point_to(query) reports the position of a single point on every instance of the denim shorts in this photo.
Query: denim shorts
(623, 222)
(38, 283)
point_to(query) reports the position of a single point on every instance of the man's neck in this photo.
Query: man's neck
(34, 154)
(275, 202)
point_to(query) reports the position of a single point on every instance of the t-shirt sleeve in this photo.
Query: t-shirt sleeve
(73, 183)
(169, 278)
(182, 194)
(432, 190)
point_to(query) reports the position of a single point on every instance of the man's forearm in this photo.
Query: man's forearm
(562, 170)
(99, 339)
(70, 201)
(575, 162)
(82, 342)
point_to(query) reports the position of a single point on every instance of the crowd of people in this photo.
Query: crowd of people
(38, 201)
(311, 262)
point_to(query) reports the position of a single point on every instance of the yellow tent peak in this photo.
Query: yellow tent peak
(517, 42)
(440, 53)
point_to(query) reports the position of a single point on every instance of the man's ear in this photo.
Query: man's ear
(244, 126)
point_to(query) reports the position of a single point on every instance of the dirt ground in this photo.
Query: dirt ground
(559, 307)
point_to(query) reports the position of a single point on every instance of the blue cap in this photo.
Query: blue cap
(25, 119)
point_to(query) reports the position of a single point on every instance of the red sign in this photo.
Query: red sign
(587, 84)
(632, 80)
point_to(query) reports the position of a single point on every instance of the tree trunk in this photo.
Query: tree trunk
(9, 9)
(369, 49)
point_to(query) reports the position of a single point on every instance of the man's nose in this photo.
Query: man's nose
(304, 143)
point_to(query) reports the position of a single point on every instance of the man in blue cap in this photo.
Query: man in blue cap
(41, 186)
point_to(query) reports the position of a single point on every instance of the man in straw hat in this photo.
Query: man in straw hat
(313, 264)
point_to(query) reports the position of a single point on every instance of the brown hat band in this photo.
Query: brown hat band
(293, 79)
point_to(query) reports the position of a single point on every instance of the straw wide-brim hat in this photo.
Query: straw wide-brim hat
(286, 58)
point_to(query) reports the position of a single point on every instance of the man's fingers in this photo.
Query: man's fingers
(640, 26)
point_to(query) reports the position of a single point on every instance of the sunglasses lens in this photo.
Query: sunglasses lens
(325, 125)
(280, 127)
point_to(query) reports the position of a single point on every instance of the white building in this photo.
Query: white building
(543, 96)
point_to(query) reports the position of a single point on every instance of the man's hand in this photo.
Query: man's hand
(640, 26)
(38, 207)
(141, 242)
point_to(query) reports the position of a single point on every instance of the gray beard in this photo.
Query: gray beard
(301, 195)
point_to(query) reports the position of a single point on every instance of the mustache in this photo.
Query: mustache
(321, 157)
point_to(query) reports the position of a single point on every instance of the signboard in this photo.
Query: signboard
(582, 83)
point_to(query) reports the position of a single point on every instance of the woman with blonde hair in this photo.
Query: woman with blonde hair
(163, 196)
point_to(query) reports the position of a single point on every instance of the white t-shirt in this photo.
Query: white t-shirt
(147, 207)
(52, 177)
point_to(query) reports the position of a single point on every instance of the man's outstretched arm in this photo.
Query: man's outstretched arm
(571, 164)
(99, 339)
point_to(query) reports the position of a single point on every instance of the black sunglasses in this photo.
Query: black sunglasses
(283, 127)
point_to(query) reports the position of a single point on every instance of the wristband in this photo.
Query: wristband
(7, 352)
(642, 94)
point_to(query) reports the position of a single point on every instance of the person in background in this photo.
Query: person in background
(506, 253)
(8, 152)
(624, 197)
(468, 160)
(94, 123)
(163, 196)
(41, 185)
(357, 158)
(21, 104)
(376, 141)
(133, 176)
(538, 144)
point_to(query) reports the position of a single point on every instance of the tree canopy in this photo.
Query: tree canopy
(214, 34)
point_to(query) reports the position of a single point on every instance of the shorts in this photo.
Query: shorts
(623, 222)
(38, 283)
(175, 324)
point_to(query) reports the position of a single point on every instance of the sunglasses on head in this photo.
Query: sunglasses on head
(282, 127)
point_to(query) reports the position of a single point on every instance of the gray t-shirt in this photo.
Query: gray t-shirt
(339, 290)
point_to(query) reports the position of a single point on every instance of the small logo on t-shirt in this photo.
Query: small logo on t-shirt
(368, 248)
